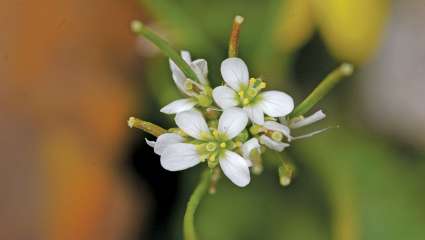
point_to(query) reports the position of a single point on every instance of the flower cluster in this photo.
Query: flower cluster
(229, 126)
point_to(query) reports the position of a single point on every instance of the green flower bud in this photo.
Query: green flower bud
(204, 101)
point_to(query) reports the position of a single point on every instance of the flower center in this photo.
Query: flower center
(249, 94)
(214, 146)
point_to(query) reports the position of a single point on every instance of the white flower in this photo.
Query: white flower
(197, 92)
(216, 146)
(304, 121)
(246, 93)
(273, 133)
(276, 132)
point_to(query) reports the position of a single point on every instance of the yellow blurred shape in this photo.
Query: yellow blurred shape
(351, 29)
(295, 24)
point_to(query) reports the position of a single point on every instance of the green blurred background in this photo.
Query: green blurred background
(71, 73)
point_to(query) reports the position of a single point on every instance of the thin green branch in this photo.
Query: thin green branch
(146, 126)
(164, 46)
(322, 89)
(188, 221)
(234, 36)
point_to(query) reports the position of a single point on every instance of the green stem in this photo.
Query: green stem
(148, 127)
(322, 89)
(188, 221)
(165, 47)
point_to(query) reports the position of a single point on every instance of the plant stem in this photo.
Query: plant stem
(165, 47)
(200, 190)
(146, 126)
(322, 89)
(234, 36)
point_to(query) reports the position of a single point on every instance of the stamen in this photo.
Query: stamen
(262, 85)
(241, 93)
(245, 101)
(212, 160)
(215, 133)
(252, 92)
(205, 135)
(188, 85)
(223, 145)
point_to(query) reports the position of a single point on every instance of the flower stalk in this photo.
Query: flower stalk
(344, 70)
(200, 190)
(234, 36)
(148, 127)
(140, 29)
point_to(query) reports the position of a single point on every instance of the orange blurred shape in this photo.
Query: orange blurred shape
(67, 73)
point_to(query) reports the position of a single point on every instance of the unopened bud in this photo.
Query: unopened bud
(286, 173)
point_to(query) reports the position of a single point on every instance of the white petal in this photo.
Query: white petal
(275, 126)
(225, 97)
(272, 144)
(192, 123)
(310, 134)
(200, 67)
(186, 56)
(276, 103)
(150, 143)
(179, 156)
(255, 114)
(317, 116)
(235, 168)
(232, 121)
(178, 75)
(166, 139)
(178, 106)
(248, 147)
(179, 79)
(235, 72)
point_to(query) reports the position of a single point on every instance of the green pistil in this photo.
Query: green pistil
(211, 146)
(277, 136)
(204, 100)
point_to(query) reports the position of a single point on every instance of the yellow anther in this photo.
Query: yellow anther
(238, 144)
(215, 133)
(245, 101)
(205, 135)
(223, 145)
(252, 92)
(277, 136)
(241, 93)
(252, 81)
(262, 85)
(188, 85)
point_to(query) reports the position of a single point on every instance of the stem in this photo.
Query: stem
(200, 190)
(234, 36)
(165, 47)
(322, 89)
(146, 126)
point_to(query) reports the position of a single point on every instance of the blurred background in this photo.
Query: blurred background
(71, 73)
